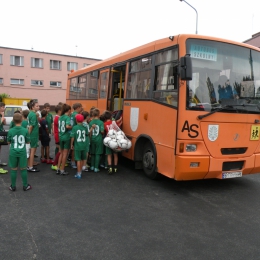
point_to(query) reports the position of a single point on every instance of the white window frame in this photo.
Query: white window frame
(39, 84)
(85, 65)
(14, 58)
(52, 67)
(1, 81)
(19, 82)
(37, 63)
(72, 66)
(58, 84)
(1, 58)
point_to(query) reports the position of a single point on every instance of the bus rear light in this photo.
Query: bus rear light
(181, 148)
(191, 147)
(194, 164)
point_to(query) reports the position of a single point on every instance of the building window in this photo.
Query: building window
(72, 66)
(16, 60)
(85, 64)
(36, 82)
(55, 65)
(36, 63)
(55, 84)
(1, 80)
(17, 81)
(1, 58)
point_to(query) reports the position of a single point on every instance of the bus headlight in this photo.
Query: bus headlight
(191, 147)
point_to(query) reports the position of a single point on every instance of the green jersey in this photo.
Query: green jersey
(1, 124)
(96, 133)
(64, 121)
(79, 133)
(49, 119)
(18, 137)
(73, 118)
(24, 124)
(33, 121)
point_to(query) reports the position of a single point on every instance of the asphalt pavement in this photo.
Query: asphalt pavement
(128, 216)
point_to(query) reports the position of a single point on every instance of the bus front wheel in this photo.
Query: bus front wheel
(149, 161)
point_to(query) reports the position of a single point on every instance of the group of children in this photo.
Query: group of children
(78, 135)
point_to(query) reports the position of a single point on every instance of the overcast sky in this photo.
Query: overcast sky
(103, 28)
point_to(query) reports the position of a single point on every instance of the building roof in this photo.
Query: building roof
(80, 57)
(255, 40)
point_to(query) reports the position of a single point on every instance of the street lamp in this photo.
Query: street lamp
(196, 14)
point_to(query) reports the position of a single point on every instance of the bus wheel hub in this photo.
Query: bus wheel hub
(148, 160)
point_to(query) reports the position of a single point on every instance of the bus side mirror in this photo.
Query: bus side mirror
(185, 68)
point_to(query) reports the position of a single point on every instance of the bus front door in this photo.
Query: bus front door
(103, 90)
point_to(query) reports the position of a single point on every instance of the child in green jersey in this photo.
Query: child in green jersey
(64, 137)
(49, 119)
(77, 108)
(12, 124)
(96, 131)
(25, 114)
(78, 136)
(85, 124)
(33, 131)
(18, 137)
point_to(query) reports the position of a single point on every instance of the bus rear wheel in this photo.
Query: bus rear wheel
(149, 161)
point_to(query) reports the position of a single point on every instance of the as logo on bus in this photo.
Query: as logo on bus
(192, 133)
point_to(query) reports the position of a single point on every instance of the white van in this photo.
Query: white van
(9, 112)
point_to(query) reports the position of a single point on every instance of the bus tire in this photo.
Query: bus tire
(149, 161)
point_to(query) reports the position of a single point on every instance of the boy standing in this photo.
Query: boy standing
(18, 137)
(78, 136)
(45, 139)
(96, 131)
(49, 119)
(2, 123)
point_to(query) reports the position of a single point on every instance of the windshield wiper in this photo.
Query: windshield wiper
(214, 111)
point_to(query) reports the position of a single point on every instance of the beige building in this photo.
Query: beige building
(255, 40)
(39, 75)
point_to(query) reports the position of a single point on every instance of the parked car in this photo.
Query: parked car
(9, 112)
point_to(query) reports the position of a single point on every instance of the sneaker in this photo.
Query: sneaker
(43, 160)
(78, 176)
(11, 188)
(96, 170)
(54, 167)
(85, 170)
(102, 165)
(28, 187)
(3, 163)
(64, 173)
(115, 170)
(2, 171)
(58, 172)
(92, 168)
(110, 171)
(73, 165)
(36, 156)
(49, 161)
(32, 170)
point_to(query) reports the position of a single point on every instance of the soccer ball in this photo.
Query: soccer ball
(122, 143)
(111, 132)
(113, 144)
(106, 140)
(120, 133)
(129, 144)
(119, 137)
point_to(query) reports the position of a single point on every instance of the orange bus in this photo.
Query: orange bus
(190, 105)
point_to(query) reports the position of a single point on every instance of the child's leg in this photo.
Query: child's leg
(31, 158)
(92, 161)
(64, 158)
(47, 152)
(97, 161)
(24, 176)
(115, 161)
(13, 176)
(79, 166)
(42, 152)
(56, 160)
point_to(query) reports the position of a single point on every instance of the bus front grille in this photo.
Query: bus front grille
(238, 150)
(232, 166)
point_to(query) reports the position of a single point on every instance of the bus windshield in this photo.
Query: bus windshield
(224, 76)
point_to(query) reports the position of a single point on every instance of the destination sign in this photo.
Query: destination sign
(203, 52)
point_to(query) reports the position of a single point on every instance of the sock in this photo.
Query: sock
(92, 161)
(13, 177)
(56, 160)
(24, 177)
(97, 160)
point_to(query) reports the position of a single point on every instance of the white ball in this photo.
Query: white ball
(111, 132)
(106, 140)
(129, 144)
(118, 137)
(120, 132)
(122, 143)
(112, 144)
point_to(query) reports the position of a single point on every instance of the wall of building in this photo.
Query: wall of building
(46, 75)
